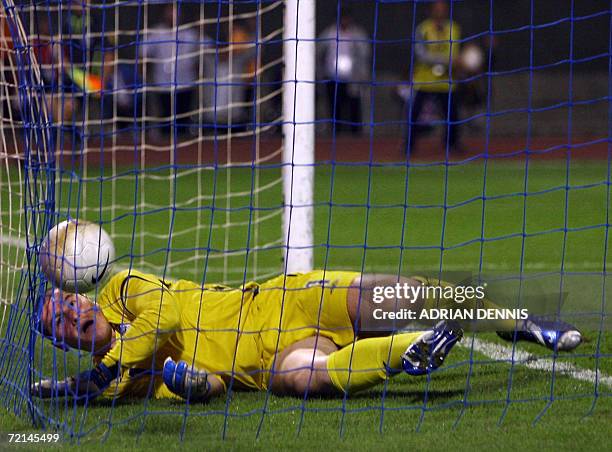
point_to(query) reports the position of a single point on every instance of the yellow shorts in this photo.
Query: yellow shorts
(288, 309)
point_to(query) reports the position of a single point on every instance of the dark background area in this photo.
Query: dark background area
(548, 73)
(527, 33)
(550, 32)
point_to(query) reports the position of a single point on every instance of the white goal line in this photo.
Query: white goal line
(506, 353)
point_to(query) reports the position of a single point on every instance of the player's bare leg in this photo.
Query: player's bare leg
(302, 368)
(316, 366)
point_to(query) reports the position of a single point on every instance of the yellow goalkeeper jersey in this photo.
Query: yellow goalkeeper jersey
(233, 333)
(434, 48)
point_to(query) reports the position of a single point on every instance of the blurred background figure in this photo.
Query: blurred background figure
(9, 103)
(122, 100)
(85, 59)
(243, 40)
(46, 58)
(437, 63)
(229, 77)
(344, 52)
(172, 55)
(42, 47)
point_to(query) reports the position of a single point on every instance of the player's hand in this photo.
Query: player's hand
(88, 384)
(184, 381)
(48, 388)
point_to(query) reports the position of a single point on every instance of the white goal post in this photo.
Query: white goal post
(299, 134)
(298, 126)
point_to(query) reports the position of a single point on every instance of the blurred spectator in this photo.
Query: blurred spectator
(43, 51)
(437, 62)
(344, 50)
(9, 103)
(172, 55)
(86, 51)
(84, 65)
(47, 61)
(228, 73)
(243, 41)
(123, 101)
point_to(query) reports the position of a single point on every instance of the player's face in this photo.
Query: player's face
(76, 321)
(439, 10)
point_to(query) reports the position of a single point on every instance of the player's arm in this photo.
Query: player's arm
(87, 385)
(154, 315)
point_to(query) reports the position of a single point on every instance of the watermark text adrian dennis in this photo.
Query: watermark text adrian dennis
(466, 303)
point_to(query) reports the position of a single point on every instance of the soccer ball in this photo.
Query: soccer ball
(76, 255)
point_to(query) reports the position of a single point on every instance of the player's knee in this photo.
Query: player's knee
(300, 382)
(301, 374)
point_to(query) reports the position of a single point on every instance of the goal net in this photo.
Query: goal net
(187, 131)
(162, 122)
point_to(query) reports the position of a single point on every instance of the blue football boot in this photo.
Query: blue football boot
(554, 335)
(428, 352)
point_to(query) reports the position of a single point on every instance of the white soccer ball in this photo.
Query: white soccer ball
(76, 255)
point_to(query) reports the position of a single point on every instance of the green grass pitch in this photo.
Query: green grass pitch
(529, 220)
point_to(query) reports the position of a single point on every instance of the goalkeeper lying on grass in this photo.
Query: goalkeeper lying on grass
(295, 334)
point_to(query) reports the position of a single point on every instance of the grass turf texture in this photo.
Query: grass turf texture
(537, 218)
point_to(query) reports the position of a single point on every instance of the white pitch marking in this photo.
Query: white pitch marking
(12, 241)
(500, 352)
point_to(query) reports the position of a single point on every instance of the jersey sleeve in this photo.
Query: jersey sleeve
(455, 39)
(149, 308)
(137, 383)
